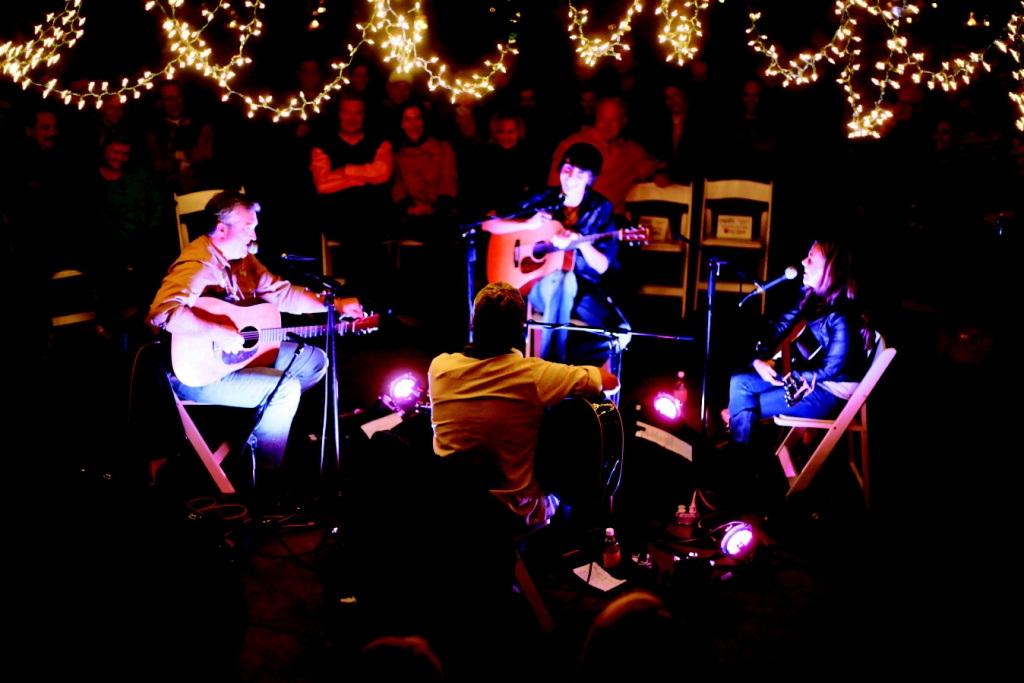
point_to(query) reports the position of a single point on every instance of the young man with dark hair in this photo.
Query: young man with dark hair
(219, 264)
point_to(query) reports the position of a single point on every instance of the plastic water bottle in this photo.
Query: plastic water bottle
(611, 554)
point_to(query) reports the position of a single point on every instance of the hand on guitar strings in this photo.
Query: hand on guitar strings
(766, 369)
(229, 339)
(563, 238)
(536, 221)
(350, 307)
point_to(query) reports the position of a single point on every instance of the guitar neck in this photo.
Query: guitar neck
(276, 334)
(549, 248)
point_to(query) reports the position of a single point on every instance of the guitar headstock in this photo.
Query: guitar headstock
(636, 234)
(368, 324)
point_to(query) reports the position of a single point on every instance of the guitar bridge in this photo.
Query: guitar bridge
(515, 255)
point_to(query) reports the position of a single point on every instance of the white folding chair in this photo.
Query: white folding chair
(853, 419)
(73, 297)
(736, 217)
(666, 213)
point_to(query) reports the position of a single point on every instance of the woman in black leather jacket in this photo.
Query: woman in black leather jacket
(828, 376)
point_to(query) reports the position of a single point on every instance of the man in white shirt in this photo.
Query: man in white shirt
(488, 401)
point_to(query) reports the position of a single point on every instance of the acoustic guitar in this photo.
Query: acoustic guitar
(198, 360)
(525, 255)
(579, 448)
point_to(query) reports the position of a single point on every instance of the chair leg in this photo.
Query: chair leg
(816, 461)
(212, 459)
(785, 452)
(532, 596)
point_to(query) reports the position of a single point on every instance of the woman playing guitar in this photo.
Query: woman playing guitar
(573, 289)
(819, 386)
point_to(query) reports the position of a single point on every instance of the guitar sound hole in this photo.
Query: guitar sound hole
(252, 336)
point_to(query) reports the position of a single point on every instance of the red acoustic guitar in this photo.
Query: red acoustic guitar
(525, 255)
(198, 361)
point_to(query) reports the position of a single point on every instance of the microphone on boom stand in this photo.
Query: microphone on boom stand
(790, 274)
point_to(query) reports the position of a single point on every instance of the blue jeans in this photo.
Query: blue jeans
(751, 398)
(248, 387)
(555, 297)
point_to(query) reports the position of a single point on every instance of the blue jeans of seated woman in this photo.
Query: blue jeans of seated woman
(751, 399)
(248, 387)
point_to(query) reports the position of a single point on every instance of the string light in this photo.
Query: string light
(680, 30)
(592, 50)
(398, 39)
(844, 47)
(400, 45)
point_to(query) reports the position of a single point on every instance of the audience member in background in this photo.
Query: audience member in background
(634, 629)
(509, 171)
(671, 136)
(350, 168)
(39, 179)
(111, 118)
(132, 239)
(749, 138)
(582, 112)
(311, 84)
(625, 162)
(426, 178)
(398, 91)
(180, 146)
(624, 78)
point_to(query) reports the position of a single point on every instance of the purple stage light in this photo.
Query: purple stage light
(404, 393)
(738, 541)
(403, 387)
(668, 406)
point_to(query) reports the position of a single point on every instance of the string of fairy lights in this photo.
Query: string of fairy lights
(681, 29)
(397, 32)
(398, 35)
(845, 48)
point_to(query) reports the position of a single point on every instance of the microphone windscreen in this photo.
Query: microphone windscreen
(791, 273)
(254, 248)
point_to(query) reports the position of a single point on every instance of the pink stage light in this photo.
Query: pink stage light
(738, 541)
(668, 406)
(403, 387)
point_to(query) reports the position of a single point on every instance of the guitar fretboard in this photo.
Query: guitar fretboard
(276, 334)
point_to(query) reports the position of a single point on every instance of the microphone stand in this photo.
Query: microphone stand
(613, 338)
(714, 270)
(330, 289)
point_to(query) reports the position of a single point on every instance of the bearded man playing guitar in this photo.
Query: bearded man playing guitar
(574, 289)
(219, 264)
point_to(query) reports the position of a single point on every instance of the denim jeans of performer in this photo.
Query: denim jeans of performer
(751, 399)
(248, 387)
(554, 297)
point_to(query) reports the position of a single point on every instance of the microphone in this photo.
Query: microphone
(790, 274)
(298, 257)
(253, 248)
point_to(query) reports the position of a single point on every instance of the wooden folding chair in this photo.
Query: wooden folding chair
(853, 419)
